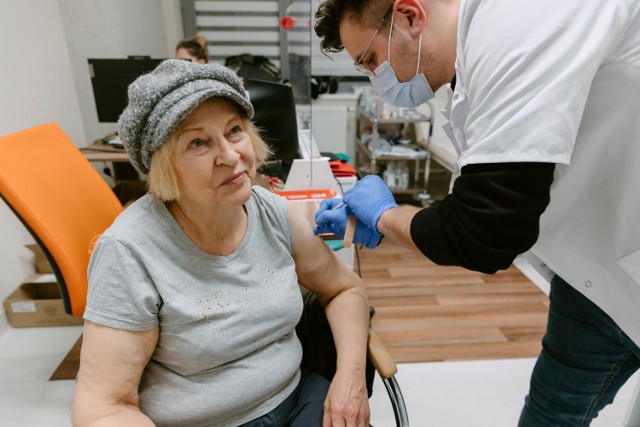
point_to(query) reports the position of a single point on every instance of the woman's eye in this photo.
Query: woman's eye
(196, 143)
(236, 132)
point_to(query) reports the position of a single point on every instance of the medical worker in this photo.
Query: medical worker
(544, 113)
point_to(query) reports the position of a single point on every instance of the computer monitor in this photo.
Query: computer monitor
(110, 79)
(275, 116)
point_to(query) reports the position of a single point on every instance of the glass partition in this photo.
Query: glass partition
(295, 30)
(337, 86)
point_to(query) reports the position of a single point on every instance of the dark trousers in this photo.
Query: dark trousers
(304, 407)
(585, 359)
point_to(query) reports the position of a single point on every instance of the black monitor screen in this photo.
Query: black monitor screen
(110, 79)
(275, 116)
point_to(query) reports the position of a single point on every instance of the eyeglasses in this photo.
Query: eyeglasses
(358, 63)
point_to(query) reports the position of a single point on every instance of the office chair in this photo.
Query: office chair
(61, 200)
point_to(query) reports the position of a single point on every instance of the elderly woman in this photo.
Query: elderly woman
(194, 290)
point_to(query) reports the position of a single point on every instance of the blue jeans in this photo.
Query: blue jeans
(585, 359)
(304, 407)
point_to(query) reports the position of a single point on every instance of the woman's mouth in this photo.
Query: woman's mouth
(234, 179)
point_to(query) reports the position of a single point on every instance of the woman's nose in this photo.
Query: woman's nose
(227, 155)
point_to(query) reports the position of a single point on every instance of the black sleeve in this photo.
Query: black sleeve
(491, 216)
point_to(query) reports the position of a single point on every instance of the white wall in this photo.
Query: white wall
(36, 86)
(44, 78)
(113, 29)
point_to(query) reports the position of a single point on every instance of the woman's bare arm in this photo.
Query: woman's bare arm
(342, 294)
(111, 366)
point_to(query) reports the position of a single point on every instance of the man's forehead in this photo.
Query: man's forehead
(355, 36)
(350, 37)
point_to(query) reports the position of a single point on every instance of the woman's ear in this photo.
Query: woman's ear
(414, 15)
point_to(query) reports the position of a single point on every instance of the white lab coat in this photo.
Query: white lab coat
(559, 81)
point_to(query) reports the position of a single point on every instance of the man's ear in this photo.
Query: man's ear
(414, 15)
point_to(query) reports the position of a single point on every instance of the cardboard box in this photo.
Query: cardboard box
(37, 302)
(41, 262)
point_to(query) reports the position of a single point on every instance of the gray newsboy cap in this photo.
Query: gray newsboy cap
(159, 100)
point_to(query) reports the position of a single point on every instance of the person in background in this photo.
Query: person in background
(543, 113)
(194, 289)
(195, 49)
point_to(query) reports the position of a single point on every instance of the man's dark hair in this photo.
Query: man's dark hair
(368, 13)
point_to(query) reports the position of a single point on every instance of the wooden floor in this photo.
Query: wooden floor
(427, 313)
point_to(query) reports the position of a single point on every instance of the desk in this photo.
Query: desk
(99, 152)
(128, 185)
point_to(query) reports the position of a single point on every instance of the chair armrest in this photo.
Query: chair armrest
(380, 357)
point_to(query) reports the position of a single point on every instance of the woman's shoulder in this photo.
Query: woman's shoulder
(135, 217)
(272, 209)
(263, 193)
(267, 197)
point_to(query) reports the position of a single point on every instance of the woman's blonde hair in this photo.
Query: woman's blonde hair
(162, 181)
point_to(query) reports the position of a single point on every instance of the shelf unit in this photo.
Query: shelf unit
(375, 120)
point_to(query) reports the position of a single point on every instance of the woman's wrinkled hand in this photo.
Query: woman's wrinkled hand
(347, 403)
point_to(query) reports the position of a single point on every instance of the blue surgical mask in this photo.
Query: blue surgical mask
(410, 94)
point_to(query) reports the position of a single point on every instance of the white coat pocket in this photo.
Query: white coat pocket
(631, 265)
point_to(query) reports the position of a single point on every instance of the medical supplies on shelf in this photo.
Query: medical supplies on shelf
(386, 145)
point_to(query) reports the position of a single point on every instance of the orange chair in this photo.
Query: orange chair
(61, 199)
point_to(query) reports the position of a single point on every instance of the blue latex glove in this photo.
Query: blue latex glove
(368, 199)
(332, 218)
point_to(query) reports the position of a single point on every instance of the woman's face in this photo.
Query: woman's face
(183, 53)
(214, 158)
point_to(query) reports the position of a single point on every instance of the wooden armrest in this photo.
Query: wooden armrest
(380, 357)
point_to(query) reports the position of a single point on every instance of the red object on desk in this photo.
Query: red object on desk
(311, 194)
(341, 169)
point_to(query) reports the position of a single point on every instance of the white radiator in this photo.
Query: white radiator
(329, 127)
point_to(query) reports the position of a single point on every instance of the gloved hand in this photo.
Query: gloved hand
(368, 199)
(330, 219)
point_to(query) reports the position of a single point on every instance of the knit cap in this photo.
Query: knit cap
(159, 100)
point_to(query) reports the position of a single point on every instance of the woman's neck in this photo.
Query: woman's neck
(216, 231)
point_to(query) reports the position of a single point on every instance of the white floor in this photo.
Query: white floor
(446, 394)
(478, 394)
(28, 357)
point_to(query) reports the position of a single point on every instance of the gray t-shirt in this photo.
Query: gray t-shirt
(227, 351)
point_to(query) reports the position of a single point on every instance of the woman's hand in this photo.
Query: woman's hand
(347, 403)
